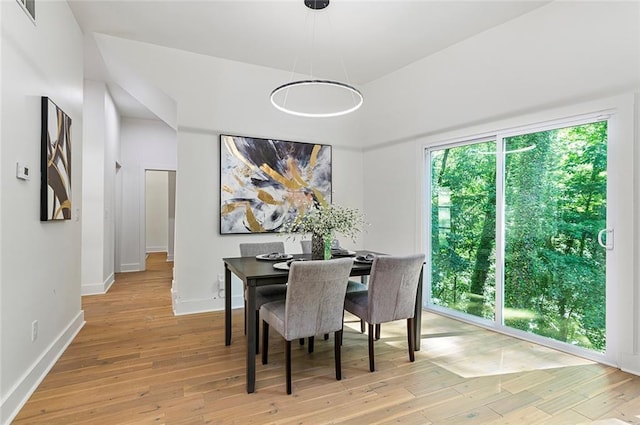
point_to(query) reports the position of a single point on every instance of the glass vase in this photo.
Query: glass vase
(320, 247)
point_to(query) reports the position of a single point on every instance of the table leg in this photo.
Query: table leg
(418, 315)
(251, 336)
(227, 305)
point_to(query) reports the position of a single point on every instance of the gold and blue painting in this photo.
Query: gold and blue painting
(55, 167)
(266, 182)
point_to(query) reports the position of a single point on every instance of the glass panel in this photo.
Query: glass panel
(463, 228)
(555, 205)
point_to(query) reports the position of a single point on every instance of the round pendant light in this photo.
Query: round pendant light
(316, 98)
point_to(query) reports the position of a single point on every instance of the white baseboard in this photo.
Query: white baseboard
(169, 258)
(151, 249)
(202, 305)
(18, 395)
(97, 288)
(630, 363)
(132, 267)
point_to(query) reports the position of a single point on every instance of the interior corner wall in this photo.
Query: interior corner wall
(40, 275)
(562, 52)
(145, 145)
(101, 145)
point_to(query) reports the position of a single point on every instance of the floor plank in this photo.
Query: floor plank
(134, 362)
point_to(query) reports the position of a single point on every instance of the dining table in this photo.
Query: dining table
(256, 272)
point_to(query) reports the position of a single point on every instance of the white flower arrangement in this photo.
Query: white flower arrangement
(325, 220)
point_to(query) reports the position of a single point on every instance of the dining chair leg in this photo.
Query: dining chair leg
(265, 342)
(337, 342)
(378, 331)
(301, 341)
(257, 332)
(371, 360)
(287, 355)
(311, 341)
(361, 326)
(411, 339)
(326, 337)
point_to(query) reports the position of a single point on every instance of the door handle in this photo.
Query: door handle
(608, 242)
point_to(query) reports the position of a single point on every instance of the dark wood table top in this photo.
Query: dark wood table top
(252, 269)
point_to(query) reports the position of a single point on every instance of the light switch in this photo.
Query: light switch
(23, 171)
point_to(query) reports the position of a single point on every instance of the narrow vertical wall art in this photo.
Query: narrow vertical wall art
(55, 164)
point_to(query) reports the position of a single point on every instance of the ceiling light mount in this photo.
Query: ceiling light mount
(314, 97)
(316, 4)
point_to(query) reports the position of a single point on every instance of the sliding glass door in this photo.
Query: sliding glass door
(463, 228)
(514, 230)
(555, 206)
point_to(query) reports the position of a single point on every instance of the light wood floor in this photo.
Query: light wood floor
(135, 363)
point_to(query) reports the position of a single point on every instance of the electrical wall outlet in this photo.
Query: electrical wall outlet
(34, 330)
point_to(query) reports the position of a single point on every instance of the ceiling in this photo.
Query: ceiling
(355, 41)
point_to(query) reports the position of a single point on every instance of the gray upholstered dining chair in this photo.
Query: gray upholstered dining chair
(306, 247)
(264, 294)
(393, 285)
(353, 286)
(314, 305)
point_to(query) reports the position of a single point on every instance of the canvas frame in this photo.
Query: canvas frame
(29, 7)
(266, 182)
(55, 163)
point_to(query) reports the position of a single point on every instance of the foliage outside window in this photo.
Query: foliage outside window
(554, 205)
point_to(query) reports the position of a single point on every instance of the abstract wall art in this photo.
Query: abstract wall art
(29, 6)
(55, 164)
(266, 182)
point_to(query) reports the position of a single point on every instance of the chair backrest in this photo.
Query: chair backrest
(392, 287)
(306, 247)
(253, 249)
(315, 297)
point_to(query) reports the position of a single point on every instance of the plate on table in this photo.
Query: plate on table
(274, 256)
(285, 264)
(365, 259)
(281, 266)
(342, 252)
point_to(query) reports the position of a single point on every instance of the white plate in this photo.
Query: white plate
(281, 266)
(278, 258)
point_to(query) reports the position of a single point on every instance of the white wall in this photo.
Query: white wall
(145, 145)
(563, 52)
(558, 61)
(214, 96)
(40, 276)
(199, 246)
(100, 149)
(157, 211)
(112, 153)
(171, 230)
(217, 95)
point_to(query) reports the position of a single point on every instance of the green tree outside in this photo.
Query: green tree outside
(555, 205)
